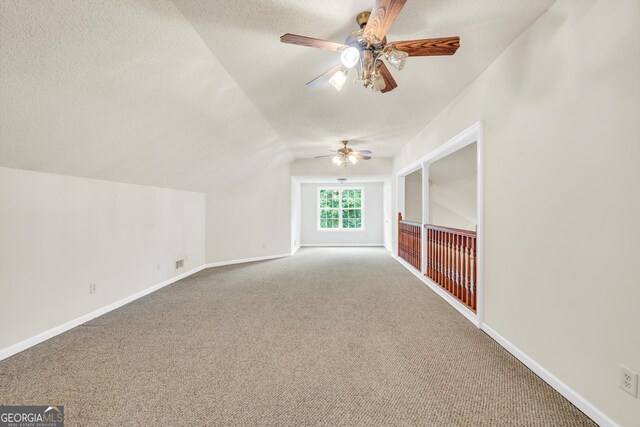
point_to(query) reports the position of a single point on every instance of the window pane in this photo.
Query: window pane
(335, 214)
(357, 199)
(334, 202)
(335, 223)
(323, 223)
(324, 198)
(357, 213)
(357, 223)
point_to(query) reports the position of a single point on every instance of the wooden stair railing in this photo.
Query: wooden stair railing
(451, 261)
(409, 242)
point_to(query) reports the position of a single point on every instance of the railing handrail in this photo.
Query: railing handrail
(417, 224)
(468, 233)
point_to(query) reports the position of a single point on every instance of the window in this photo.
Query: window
(340, 209)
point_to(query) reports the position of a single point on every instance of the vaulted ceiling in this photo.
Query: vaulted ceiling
(186, 93)
(245, 37)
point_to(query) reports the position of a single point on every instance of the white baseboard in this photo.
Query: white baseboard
(580, 402)
(242, 261)
(434, 287)
(296, 249)
(340, 245)
(37, 339)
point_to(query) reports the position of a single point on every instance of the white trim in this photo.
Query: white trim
(478, 135)
(350, 245)
(242, 261)
(43, 336)
(434, 287)
(473, 133)
(468, 136)
(571, 395)
(340, 209)
(295, 249)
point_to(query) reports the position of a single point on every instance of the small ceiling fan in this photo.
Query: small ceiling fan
(365, 48)
(346, 155)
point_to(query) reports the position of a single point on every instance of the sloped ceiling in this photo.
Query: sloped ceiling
(123, 91)
(193, 92)
(244, 36)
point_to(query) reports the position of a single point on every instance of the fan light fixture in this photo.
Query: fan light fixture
(345, 156)
(367, 50)
(395, 57)
(350, 57)
(343, 159)
(338, 79)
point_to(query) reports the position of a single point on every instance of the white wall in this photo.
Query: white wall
(59, 233)
(250, 218)
(561, 109)
(157, 110)
(413, 197)
(453, 189)
(373, 217)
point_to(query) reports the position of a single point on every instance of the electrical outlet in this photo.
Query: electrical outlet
(629, 381)
(179, 263)
(93, 288)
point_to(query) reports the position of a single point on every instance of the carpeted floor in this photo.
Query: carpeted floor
(329, 337)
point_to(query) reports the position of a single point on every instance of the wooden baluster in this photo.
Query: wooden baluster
(414, 239)
(416, 230)
(428, 251)
(415, 253)
(443, 260)
(446, 260)
(420, 260)
(460, 260)
(449, 262)
(469, 290)
(432, 245)
(452, 263)
(475, 276)
(439, 281)
(425, 236)
(464, 270)
(436, 256)
(454, 273)
(412, 243)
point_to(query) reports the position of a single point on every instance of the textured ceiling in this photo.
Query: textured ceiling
(244, 36)
(124, 91)
(195, 93)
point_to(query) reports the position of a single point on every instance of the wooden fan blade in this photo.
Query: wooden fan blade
(429, 47)
(390, 83)
(324, 77)
(311, 42)
(362, 157)
(366, 152)
(383, 15)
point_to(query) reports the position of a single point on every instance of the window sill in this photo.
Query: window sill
(346, 230)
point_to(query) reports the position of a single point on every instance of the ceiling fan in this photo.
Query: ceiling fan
(346, 155)
(365, 48)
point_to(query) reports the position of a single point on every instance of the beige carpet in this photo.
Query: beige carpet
(329, 337)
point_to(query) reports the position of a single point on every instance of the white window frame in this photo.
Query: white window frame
(340, 229)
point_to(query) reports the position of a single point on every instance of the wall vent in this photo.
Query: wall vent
(179, 264)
